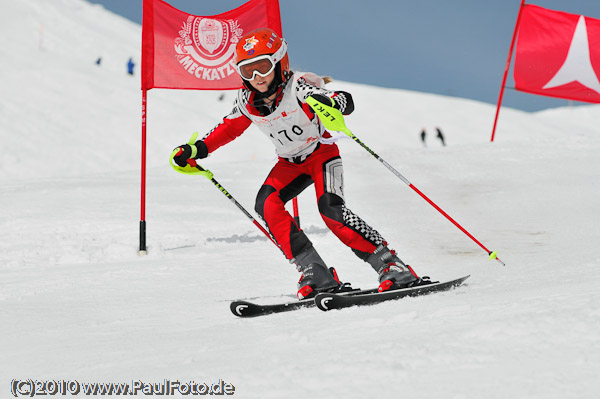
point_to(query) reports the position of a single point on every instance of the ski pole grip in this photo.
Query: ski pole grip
(192, 168)
(201, 171)
(330, 117)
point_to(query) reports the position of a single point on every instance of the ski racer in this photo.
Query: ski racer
(274, 98)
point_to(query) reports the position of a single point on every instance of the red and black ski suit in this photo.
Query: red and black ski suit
(304, 159)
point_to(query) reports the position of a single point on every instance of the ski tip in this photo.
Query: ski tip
(238, 308)
(323, 298)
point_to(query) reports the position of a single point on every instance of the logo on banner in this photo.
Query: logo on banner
(577, 67)
(206, 47)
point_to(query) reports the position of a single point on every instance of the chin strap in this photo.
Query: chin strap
(273, 88)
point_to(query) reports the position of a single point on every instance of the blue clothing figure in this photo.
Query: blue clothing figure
(130, 65)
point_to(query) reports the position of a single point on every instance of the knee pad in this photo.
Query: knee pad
(261, 198)
(332, 206)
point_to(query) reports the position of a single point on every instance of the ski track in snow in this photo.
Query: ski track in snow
(77, 303)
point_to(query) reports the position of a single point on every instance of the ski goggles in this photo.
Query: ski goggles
(261, 65)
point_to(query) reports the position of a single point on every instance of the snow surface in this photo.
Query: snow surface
(78, 303)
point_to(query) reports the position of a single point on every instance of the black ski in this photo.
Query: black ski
(249, 309)
(327, 302)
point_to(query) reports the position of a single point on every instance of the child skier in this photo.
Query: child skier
(274, 98)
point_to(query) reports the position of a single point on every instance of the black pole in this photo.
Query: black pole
(142, 237)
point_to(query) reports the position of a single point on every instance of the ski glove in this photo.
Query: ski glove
(190, 151)
(341, 100)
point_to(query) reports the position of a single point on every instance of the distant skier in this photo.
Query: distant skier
(274, 98)
(130, 66)
(423, 135)
(440, 136)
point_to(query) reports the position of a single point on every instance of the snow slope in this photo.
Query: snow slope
(77, 303)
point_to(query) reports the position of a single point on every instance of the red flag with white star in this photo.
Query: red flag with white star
(184, 51)
(558, 55)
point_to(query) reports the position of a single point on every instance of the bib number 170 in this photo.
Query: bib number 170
(297, 130)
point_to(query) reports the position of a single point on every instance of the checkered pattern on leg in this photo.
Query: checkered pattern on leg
(357, 224)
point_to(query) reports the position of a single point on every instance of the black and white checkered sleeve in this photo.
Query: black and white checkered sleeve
(305, 89)
(343, 100)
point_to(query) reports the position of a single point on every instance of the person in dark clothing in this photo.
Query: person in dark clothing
(440, 136)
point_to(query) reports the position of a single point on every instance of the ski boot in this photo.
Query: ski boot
(393, 273)
(315, 276)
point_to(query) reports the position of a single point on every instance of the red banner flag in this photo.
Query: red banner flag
(183, 51)
(558, 55)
